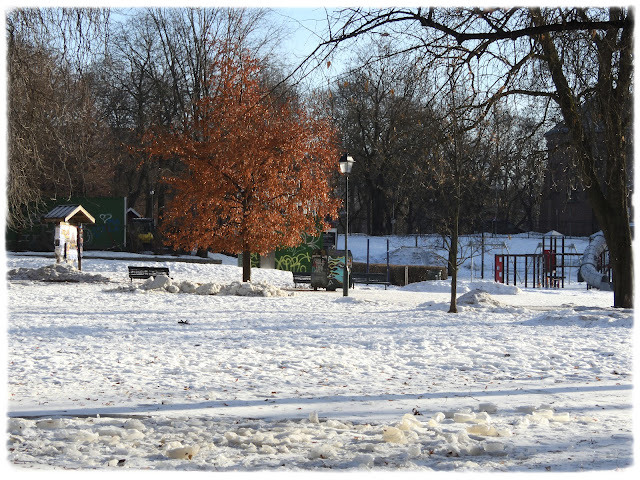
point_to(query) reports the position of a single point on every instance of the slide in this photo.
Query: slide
(588, 269)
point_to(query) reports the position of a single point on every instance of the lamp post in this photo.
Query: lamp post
(346, 163)
(152, 220)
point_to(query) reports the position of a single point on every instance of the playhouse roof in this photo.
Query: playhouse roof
(134, 212)
(69, 213)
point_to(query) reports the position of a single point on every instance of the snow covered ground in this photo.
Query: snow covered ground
(104, 373)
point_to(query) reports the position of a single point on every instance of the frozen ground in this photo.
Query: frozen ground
(111, 375)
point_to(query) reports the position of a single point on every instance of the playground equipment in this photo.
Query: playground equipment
(548, 267)
(592, 262)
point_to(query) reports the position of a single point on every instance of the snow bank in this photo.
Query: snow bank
(444, 286)
(434, 286)
(58, 272)
(242, 289)
(406, 255)
(585, 317)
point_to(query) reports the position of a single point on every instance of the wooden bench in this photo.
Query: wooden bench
(356, 277)
(554, 281)
(370, 278)
(147, 272)
(301, 277)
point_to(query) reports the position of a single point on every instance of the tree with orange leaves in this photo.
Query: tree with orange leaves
(257, 169)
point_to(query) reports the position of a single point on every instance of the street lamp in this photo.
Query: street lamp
(346, 163)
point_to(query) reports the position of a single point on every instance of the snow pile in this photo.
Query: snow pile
(434, 286)
(58, 272)
(229, 444)
(406, 255)
(495, 288)
(248, 289)
(584, 317)
(478, 298)
(183, 453)
(241, 289)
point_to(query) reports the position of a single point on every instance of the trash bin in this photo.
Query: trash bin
(319, 269)
(335, 274)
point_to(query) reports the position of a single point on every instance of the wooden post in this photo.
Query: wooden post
(368, 254)
(388, 269)
(506, 268)
(482, 258)
(80, 246)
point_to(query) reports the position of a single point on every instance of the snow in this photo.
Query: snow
(105, 373)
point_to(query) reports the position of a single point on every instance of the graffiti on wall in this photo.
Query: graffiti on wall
(336, 268)
(298, 259)
(299, 262)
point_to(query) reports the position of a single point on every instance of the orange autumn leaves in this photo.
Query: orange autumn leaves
(256, 168)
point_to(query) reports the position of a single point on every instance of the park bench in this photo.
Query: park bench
(370, 278)
(301, 277)
(147, 272)
(356, 277)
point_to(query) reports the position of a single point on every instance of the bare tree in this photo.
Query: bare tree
(455, 169)
(54, 130)
(517, 177)
(385, 119)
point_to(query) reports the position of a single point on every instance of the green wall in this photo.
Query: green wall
(298, 259)
(292, 259)
(108, 233)
(109, 230)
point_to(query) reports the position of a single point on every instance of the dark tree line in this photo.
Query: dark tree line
(398, 122)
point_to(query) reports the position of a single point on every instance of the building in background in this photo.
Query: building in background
(565, 206)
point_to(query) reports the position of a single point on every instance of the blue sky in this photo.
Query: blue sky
(308, 28)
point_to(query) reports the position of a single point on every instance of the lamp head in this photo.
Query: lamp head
(346, 164)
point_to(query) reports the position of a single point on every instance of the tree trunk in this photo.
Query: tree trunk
(378, 210)
(246, 266)
(621, 257)
(453, 259)
(609, 202)
(617, 233)
(453, 307)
